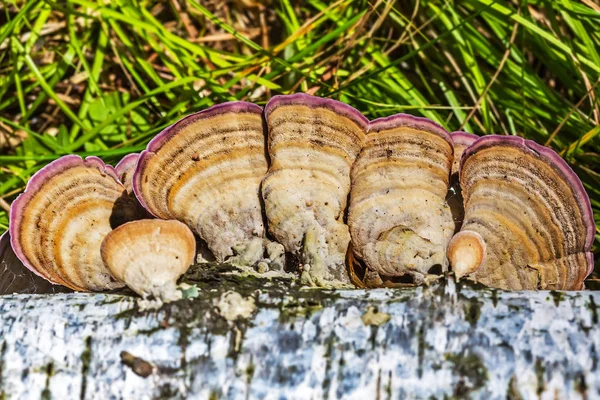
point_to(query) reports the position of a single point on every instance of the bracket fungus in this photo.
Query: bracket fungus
(312, 144)
(149, 255)
(399, 219)
(461, 141)
(325, 184)
(528, 220)
(206, 171)
(125, 169)
(59, 222)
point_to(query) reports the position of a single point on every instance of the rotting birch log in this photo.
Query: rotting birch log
(443, 341)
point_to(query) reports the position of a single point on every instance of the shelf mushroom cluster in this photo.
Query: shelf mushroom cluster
(311, 184)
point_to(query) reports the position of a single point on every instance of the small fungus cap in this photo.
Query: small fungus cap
(150, 255)
(461, 140)
(173, 143)
(125, 169)
(306, 100)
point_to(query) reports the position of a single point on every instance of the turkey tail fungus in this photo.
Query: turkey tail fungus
(149, 256)
(59, 222)
(206, 171)
(350, 201)
(461, 141)
(312, 143)
(399, 219)
(125, 169)
(528, 220)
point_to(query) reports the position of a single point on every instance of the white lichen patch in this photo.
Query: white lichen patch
(233, 305)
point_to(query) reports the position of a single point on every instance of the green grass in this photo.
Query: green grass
(102, 77)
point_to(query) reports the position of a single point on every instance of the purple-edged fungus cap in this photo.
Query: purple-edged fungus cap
(399, 220)
(59, 222)
(312, 144)
(125, 169)
(529, 213)
(205, 171)
(461, 140)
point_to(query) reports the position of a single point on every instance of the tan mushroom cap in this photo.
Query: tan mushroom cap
(206, 170)
(150, 255)
(461, 141)
(529, 212)
(399, 219)
(312, 144)
(465, 252)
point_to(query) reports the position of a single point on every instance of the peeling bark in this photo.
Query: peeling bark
(446, 340)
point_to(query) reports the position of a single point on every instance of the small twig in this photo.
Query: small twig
(305, 28)
(591, 4)
(463, 79)
(571, 111)
(588, 86)
(265, 39)
(4, 205)
(494, 77)
(186, 20)
(225, 37)
(497, 114)
(584, 76)
(12, 192)
(117, 60)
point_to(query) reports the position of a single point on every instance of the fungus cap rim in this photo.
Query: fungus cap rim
(412, 121)
(463, 138)
(303, 99)
(555, 161)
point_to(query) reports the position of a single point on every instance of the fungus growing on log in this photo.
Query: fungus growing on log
(461, 141)
(125, 169)
(206, 171)
(399, 219)
(526, 213)
(59, 222)
(149, 256)
(312, 143)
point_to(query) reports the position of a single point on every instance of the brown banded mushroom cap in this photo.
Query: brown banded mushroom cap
(312, 143)
(399, 220)
(529, 212)
(206, 171)
(461, 141)
(59, 222)
(125, 169)
(149, 255)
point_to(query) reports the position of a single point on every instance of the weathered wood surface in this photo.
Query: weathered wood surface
(445, 341)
